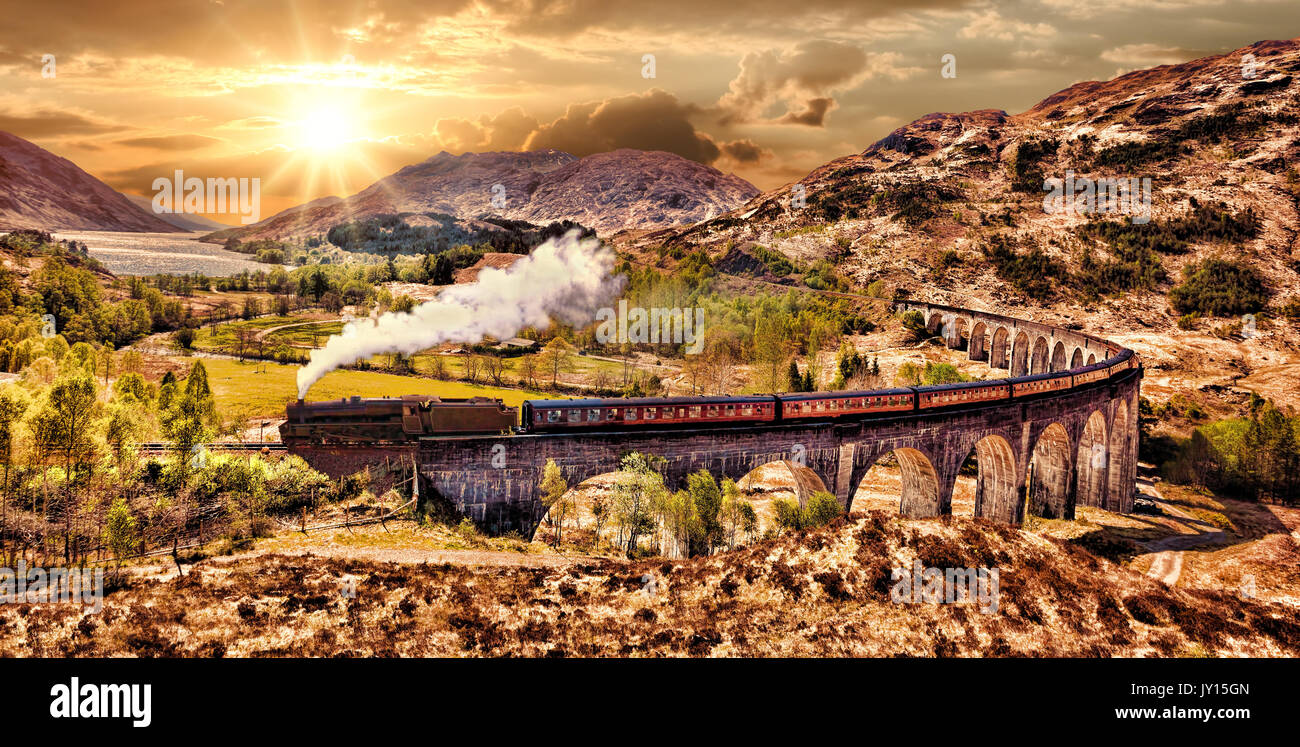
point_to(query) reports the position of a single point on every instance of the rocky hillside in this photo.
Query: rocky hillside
(952, 206)
(40, 190)
(607, 191)
(631, 189)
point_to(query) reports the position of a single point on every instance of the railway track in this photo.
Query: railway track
(159, 447)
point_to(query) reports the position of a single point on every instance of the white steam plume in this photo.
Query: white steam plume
(566, 278)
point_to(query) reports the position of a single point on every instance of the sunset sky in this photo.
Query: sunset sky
(321, 98)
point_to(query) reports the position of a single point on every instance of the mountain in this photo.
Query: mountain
(181, 221)
(951, 207)
(630, 189)
(41, 190)
(607, 191)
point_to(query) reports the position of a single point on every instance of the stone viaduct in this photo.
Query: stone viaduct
(1043, 456)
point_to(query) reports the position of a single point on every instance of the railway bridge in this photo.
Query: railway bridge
(1043, 456)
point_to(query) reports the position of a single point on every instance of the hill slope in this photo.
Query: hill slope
(43, 191)
(1216, 145)
(822, 593)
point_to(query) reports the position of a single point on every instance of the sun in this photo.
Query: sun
(324, 129)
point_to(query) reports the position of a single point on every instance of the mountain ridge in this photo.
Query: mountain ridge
(608, 192)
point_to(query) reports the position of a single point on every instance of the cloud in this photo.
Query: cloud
(990, 24)
(803, 79)
(655, 120)
(508, 130)
(744, 151)
(1148, 55)
(170, 142)
(48, 123)
(813, 115)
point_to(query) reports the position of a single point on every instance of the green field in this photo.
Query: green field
(223, 337)
(578, 364)
(261, 389)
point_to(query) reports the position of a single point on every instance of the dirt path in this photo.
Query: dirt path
(1167, 565)
(262, 335)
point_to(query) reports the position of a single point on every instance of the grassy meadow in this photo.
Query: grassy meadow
(260, 389)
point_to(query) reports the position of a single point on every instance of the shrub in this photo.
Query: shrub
(1219, 287)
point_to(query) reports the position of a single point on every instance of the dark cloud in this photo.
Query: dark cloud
(170, 142)
(743, 151)
(813, 115)
(655, 120)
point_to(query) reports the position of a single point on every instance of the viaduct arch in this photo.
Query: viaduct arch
(1044, 456)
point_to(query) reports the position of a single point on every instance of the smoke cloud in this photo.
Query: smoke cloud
(566, 278)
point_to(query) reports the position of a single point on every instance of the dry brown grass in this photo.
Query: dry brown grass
(821, 593)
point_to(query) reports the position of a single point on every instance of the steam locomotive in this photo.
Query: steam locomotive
(393, 419)
(409, 418)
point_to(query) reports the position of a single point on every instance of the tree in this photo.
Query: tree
(556, 357)
(554, 487)
(914, 324)
(734, 511)
(820, 509)
(600, 510)
(120, 532)
(678, 520)
(63, 427)
(794, 380)
(190, 418)
(473, 363)
(637, 487)
(771, 353)
(495, 366)
(706, 499)
(13, 406)
(528, 371)
(123, 426)
(438, 367)
(184, 337)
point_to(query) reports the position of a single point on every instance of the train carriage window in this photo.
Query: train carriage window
(747, 410)
(731, 411)
(668, 413)
(611, 413)
(593, 416)
(650, 413)
(712, 411)
(553, 416)
(695, 411)
(575, 416)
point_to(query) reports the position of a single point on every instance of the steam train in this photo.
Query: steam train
(409, 418)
